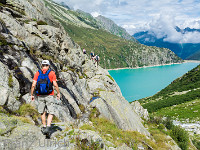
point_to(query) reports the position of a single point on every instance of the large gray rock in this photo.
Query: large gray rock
(9, 88)
(13, 26)
(121, 112)
(140, 110)
(33, 9)
(76, 87)
(4, 88)
(28, 63)
(7, 124)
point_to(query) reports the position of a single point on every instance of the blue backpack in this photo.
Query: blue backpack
(44, 85)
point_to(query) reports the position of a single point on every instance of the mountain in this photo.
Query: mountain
(97, 34)
(185, 50)
(114, 28)
(91, 114)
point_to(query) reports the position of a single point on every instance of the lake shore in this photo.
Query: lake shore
(185, 61)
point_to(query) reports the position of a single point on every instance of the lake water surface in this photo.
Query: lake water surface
(143, 82)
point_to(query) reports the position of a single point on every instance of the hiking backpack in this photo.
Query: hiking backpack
(44, 85)
(97, 58)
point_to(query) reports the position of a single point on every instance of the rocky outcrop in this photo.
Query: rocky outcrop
(86, 30)
(114, 107)
(114, 28)
(28, 42)
(140, 110)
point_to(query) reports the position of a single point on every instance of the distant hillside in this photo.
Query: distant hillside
(185, 51)
(181, 93)
(97, 34)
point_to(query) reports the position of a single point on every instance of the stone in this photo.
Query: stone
(124, 147)
(26, 72)
(117, 107)
(89, 137)
(7, 124)
(4, 74)
(28, 63)
(9, 87)
(140, 110)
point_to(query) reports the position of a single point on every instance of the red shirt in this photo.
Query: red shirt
(52, 77)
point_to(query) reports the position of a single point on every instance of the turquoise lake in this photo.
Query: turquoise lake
(143, 82)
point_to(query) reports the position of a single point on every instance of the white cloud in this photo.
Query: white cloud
(95, 14)
(159, 16)
(165, 25)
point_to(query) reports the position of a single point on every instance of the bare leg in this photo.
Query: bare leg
(49, 119)
(43, 117)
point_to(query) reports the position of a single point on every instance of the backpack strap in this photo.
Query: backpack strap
(48, 71)
(40, 71)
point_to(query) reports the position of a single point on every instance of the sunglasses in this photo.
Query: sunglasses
(44, 65)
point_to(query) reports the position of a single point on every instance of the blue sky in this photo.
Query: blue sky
(137, 15)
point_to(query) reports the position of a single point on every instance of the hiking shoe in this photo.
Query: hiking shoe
(42, 129)
(47, 130)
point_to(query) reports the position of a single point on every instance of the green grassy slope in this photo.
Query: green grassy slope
(115, 52)
(179, 99)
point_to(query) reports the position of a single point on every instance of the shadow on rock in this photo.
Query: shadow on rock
(54, 129)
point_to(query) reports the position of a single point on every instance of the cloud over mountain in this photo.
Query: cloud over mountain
(136, 15)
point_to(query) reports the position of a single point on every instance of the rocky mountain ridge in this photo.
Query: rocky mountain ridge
(115, 52)
(189, 51)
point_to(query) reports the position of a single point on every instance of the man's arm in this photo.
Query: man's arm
(57, 89)
(32, 89)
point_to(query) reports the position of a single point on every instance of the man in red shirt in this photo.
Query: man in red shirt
(46, 102)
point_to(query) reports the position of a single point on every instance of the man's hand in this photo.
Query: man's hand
(32, 89)
(58, 96)
(32, 98)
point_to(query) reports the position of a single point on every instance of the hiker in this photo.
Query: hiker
(43, 81)
(92, 56)
(97, 60)
(84, 51)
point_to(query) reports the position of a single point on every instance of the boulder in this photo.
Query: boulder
(88, 137)
(94, 85)
(28, 63)
(9, 87)
(27, 73)
(7, 124)
(140, 110)
(13, 26)
(121, 112)
(4, 88)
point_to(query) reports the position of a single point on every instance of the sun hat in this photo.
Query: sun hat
(45, 62)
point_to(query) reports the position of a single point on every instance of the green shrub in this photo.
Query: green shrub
(84, 144)
(10, 80)
(170, 101)
(81, 77)
(161, 126)
(40, 22)
(180, 136)
(112, 133)
(168, 123)
(110, 78)
(87, 127)
(196, 143)
(28, 110)
(94, 113)
(3, 41)
(155, 119)
(82, 108)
